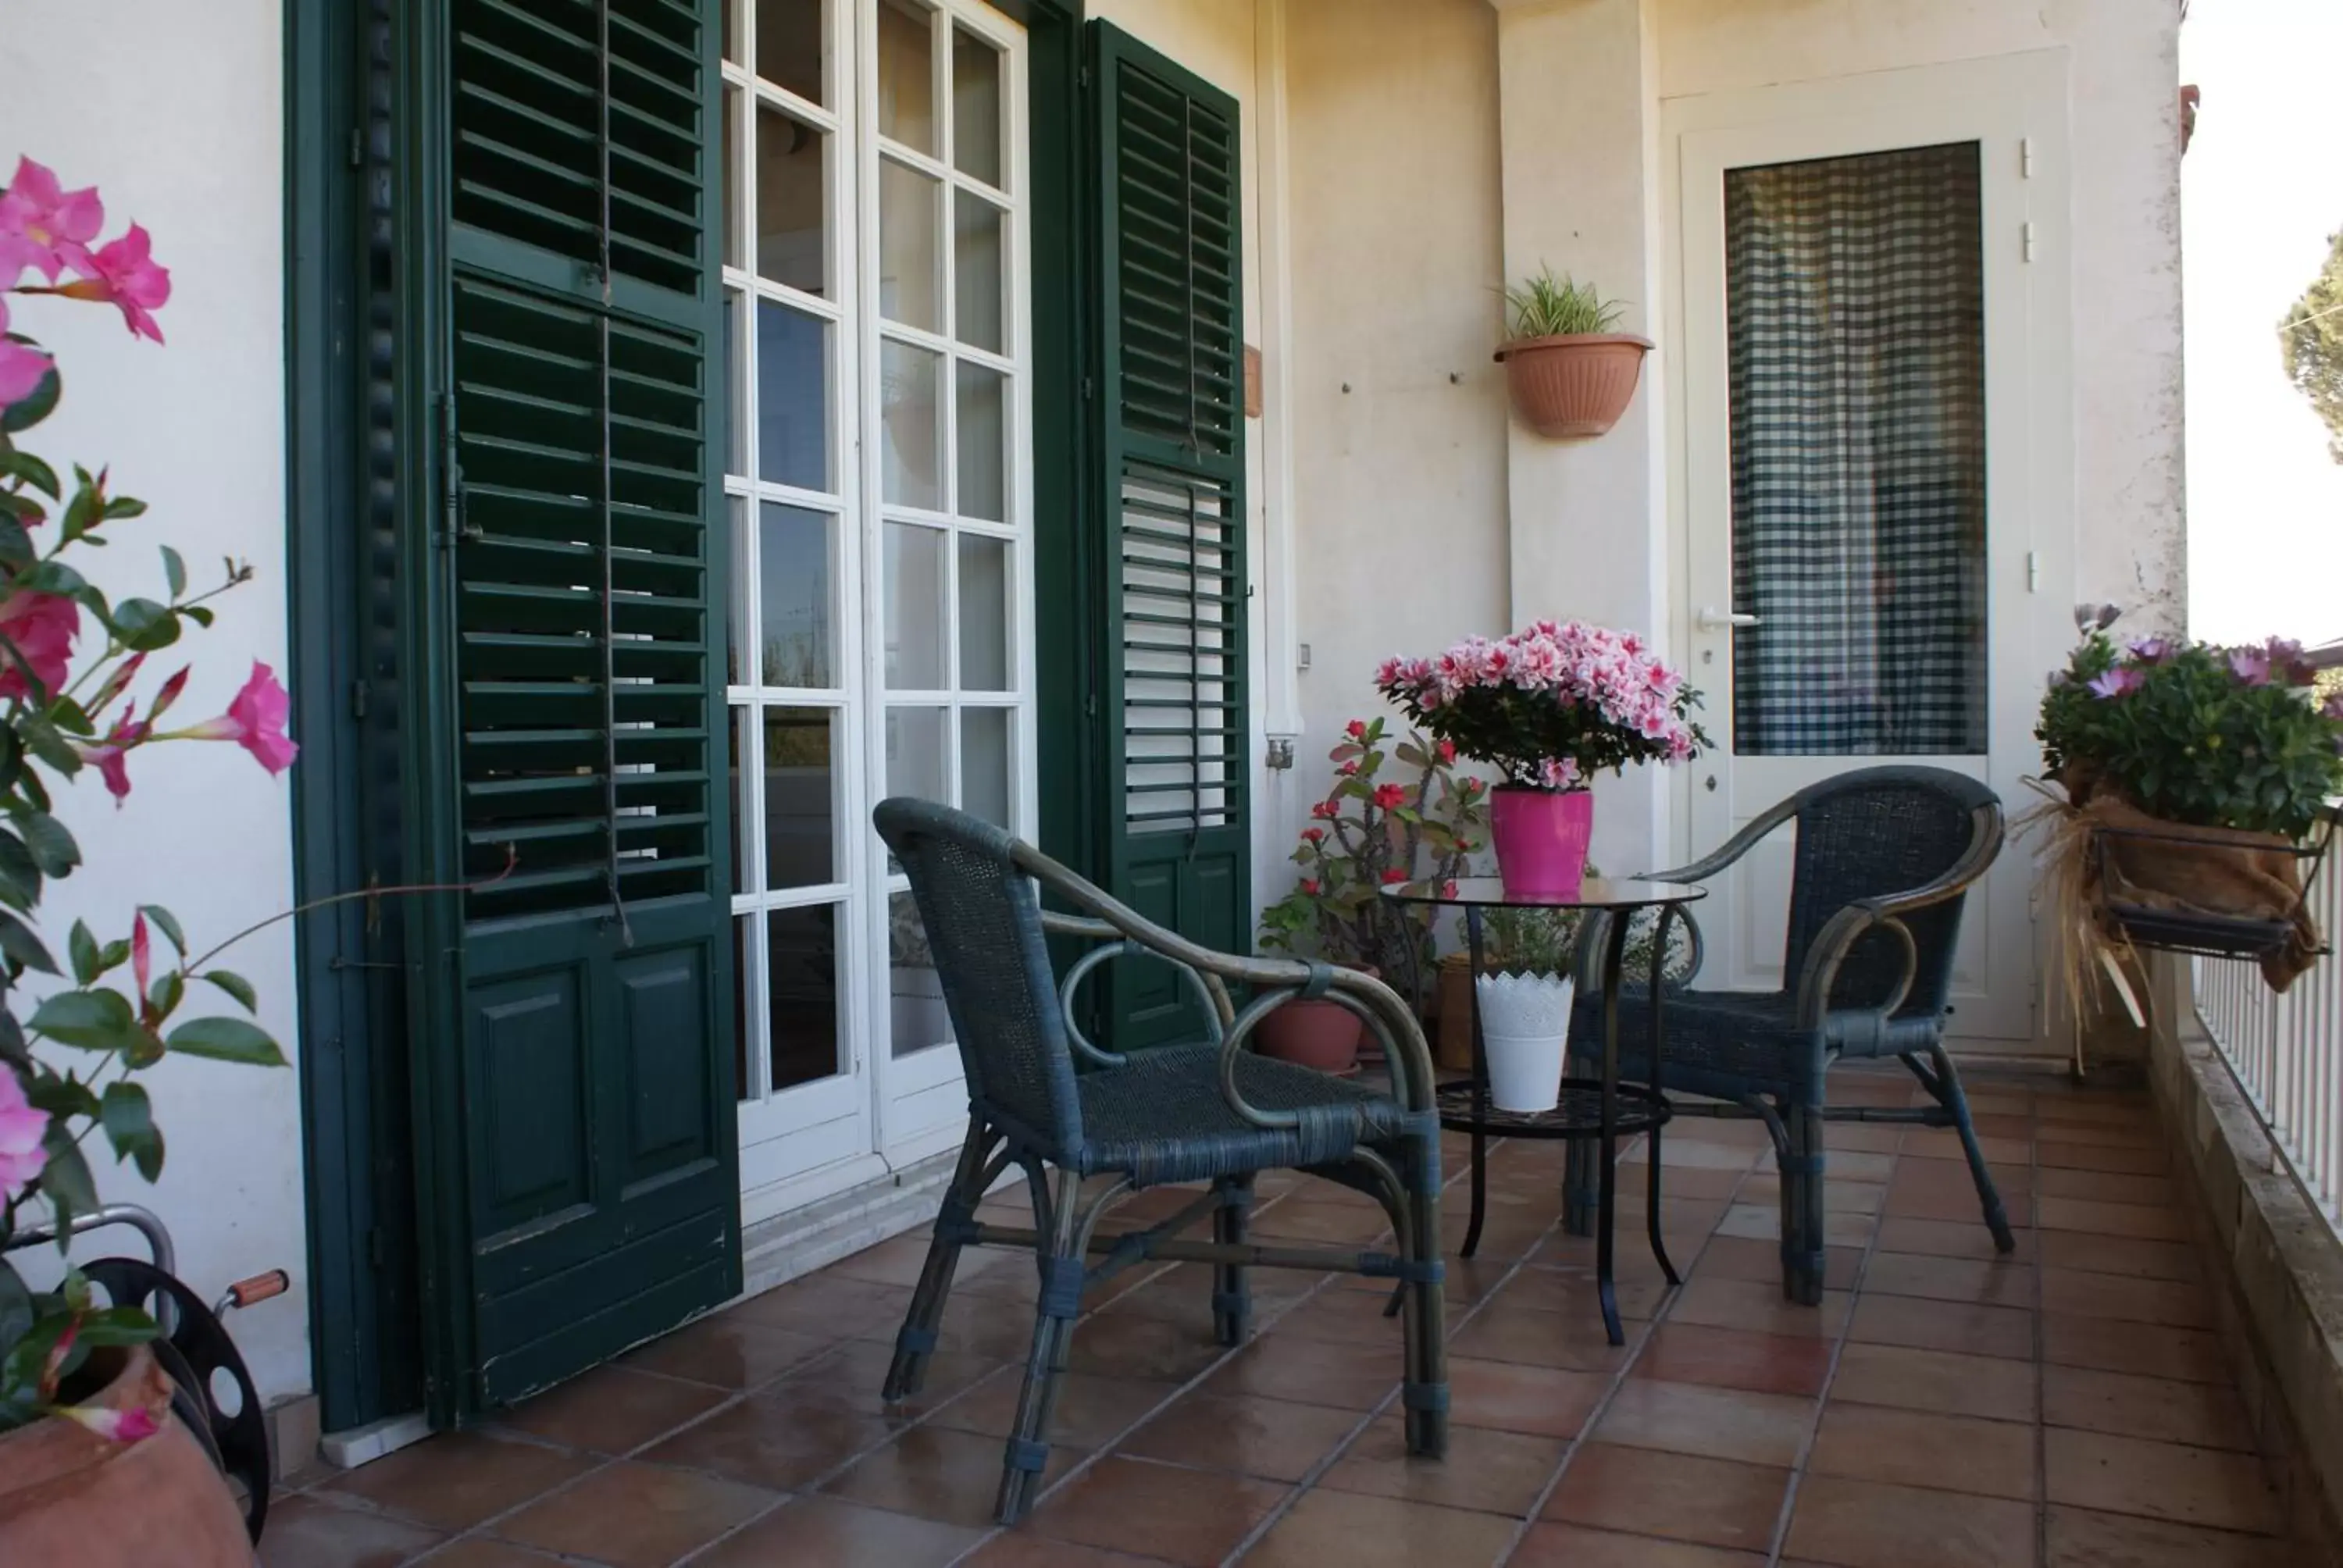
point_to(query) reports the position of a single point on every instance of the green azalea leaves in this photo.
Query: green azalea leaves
(90, 1020)
(128, 1118)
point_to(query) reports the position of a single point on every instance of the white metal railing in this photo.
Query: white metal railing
(2284, 1048)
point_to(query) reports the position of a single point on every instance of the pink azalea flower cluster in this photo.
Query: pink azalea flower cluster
(47, 229)
(1603, 697)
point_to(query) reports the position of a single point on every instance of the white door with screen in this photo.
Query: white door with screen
(1872, 314)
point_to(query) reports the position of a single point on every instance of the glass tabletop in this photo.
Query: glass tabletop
(1593, 893)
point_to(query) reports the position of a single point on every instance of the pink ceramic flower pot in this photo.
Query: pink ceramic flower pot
(1541, 838)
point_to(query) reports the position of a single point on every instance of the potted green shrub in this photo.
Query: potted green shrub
(1569, 372)
(1369, 832)
(2193, 775)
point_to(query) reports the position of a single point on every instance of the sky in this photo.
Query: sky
(2261, 188)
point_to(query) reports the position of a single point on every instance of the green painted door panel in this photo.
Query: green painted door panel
(1177, 798)
(581, 597)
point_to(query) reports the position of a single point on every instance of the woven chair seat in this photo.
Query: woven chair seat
(1730, 1044)
(1161, 1117)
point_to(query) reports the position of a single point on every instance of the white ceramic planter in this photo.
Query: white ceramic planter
(1525, 1021)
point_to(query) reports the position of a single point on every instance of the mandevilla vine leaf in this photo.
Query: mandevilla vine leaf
(74, 699)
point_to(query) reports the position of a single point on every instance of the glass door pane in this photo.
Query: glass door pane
(1855, 332)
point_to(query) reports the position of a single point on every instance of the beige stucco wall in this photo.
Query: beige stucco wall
(2123, 64)
(1399, 428)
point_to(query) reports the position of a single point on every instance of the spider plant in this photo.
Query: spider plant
(1545, 305)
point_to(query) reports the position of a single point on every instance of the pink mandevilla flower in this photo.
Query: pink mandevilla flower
(124, 276)
(41, 628)
(114, 1425)
(44, 226)
(22, 366)
(111, 755)
(254, 720)
(142, 955)
(21, 1126)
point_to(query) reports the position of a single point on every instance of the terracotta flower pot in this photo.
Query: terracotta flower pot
(1575, 385)
(68, 1495)
(1321, 1035)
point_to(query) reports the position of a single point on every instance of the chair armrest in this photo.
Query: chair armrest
(1210, 994)
(1273, 981)
(1586, 964)
(1731, 849)
(1842, 930)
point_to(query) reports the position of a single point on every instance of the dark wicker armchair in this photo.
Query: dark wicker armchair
(1044, 1099)
(1885, 858)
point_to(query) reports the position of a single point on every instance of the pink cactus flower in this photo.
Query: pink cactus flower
(1389, 795)
(1356, 730)
(1314, 836)
(1447, 752)
(22, 366)
(123, 274)
(22, 1128)
(129, 1425)
(1310, 885)
(254, 720)
(1392, 874)
(41, 628)
(1324, 810)
(44, 226)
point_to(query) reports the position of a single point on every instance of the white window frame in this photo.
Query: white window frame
(801, 1143)
(919, 1102)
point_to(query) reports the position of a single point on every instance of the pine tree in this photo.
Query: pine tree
(2311, 339)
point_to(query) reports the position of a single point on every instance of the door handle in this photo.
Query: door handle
(1712, 619)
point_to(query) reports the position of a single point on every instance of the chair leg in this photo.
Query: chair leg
(1231, 1291)
(1801, 1166)
(1424, 1394)
(1060, 1264)
(916, 1341)
(1950, 1095)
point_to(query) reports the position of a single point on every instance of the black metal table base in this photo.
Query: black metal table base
(1599, 1110)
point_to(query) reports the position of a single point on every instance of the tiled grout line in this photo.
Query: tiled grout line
(1626, 1368)
(2041, 1331)
(1365, 1423)
(482, 1529)
(1317, 1473)
(1781, 1538)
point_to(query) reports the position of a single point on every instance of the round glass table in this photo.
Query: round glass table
(1602, 1110)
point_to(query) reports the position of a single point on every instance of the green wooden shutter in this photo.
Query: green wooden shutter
(582, 608)
(1171, 340)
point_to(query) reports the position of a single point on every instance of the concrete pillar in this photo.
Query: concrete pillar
(1579, 130)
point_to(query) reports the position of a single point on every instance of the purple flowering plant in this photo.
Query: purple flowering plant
(2205, 735)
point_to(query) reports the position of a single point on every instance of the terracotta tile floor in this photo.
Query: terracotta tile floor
(1944, 1408)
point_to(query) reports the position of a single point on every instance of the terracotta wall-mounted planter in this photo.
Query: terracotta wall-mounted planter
(1575, 384)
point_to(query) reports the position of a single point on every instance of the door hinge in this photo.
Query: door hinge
(1090, 389)
(358, 148)
(2025, 158)
(358, 699)
(2026, 241)
(451, 478)
(2033, 571)
(1083, 79)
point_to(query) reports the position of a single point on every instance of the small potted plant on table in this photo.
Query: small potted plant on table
(1568, 372)
(1368, 833)
(1549, 707)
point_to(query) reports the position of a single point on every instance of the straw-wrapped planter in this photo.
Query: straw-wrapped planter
(2190, 809)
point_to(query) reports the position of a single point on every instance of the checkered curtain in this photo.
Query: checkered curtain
(1856, 310)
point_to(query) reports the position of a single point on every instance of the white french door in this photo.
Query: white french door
(1872, 315)
(878, 327)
